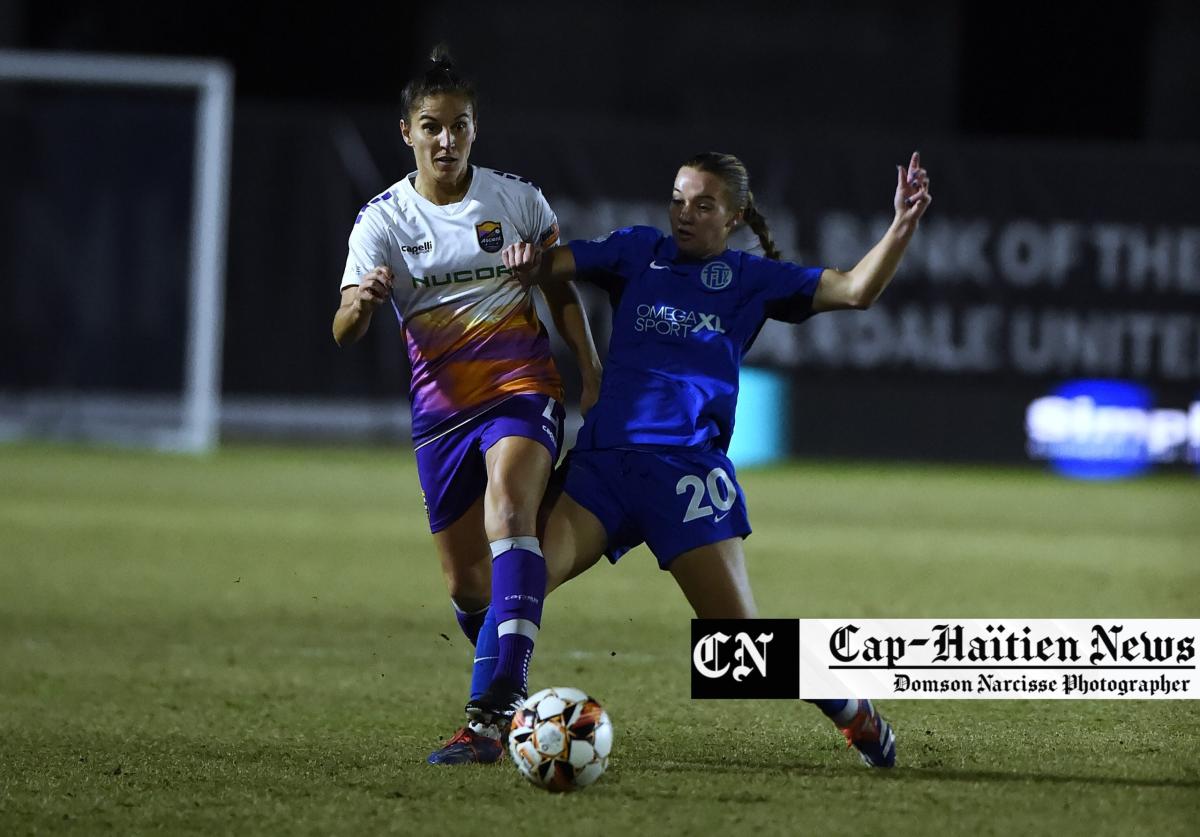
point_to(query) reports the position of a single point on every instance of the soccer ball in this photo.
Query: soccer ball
(560, 739)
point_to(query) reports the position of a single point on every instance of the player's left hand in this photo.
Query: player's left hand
(912, 192)
(523, 259)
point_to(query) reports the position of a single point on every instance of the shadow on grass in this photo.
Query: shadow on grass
(942, 774)
(919, 774)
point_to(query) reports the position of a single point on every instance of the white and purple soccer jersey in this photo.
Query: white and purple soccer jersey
(681, 327)
(473, 335)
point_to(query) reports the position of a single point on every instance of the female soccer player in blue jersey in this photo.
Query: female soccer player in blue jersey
(486, 397)
(650, 462)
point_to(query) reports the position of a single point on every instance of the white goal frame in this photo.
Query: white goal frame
(197, 429)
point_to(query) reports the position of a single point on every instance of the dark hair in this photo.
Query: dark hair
(733, 174)
(440, 77)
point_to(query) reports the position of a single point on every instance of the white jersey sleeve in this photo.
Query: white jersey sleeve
(369, 246)
(545, 222)
(541, 224)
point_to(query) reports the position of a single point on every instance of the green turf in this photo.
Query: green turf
(260, 643)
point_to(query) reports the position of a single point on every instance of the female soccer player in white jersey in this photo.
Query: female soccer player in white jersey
(487, 409)
(649, 464)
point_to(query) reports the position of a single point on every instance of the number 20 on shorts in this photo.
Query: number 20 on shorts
(718, 488)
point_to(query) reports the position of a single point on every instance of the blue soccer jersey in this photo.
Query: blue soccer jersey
(681, 327)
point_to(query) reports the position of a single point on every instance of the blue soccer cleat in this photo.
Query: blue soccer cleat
(473, 744)
(872, 736)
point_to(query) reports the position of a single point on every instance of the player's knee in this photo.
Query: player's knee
(470, 588)
(509, 519)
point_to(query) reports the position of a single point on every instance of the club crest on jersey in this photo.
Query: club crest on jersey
(716, 276)
(490, 235)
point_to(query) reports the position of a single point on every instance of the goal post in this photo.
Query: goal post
(197, 427)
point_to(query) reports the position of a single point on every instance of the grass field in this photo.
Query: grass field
(260, 643)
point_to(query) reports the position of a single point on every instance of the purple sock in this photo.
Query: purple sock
(470, 622)
(518, 587)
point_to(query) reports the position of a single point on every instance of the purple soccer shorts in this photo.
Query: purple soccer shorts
(451, 466)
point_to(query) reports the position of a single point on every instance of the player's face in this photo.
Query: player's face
(701, 215)
(441, 129)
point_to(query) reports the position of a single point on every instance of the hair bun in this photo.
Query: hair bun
(440, 56)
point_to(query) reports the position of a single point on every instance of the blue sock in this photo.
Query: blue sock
(487, 652)
(470, 622)
(518, 587)
(841, 711)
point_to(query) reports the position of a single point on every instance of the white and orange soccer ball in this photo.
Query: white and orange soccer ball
(560, 739)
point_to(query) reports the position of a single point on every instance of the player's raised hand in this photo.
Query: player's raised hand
(912, 191)
(523, 259)
(375, 286)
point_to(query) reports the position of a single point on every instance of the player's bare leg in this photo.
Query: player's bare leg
(518, 469)
(466, 562)
(574, 540)
(714, 580)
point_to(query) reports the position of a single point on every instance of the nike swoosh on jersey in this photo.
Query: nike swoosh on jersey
(719, 518)
(654, 265)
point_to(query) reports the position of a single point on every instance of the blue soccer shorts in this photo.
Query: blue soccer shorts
(672, 502)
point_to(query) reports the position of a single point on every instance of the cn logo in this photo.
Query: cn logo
(708, 650)
(730, 658)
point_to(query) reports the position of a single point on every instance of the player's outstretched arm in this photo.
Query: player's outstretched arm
(562, 298)
(534, 266)
(353, 317)
(862, 285)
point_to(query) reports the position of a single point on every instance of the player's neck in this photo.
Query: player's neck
(700, 257)
(442, 194)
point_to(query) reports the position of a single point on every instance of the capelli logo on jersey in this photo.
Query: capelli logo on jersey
(675, 322)
(417, 249)
(745, 658)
